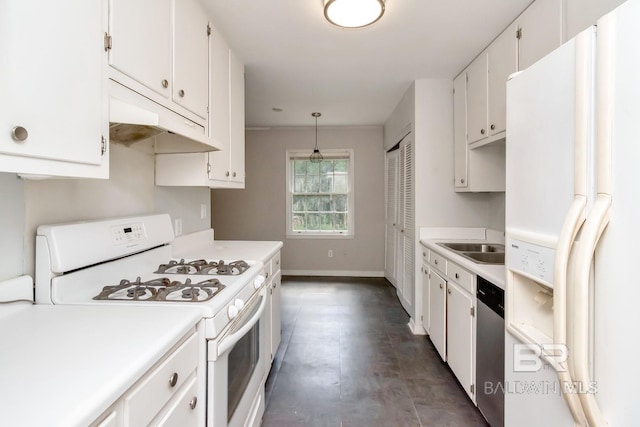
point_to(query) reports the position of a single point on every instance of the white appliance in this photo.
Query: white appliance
(128, 261)
(572, 226)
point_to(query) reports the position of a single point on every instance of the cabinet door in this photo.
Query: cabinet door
(502, 62)
(540, 31)
(53, 104)
(477, 99)
(141, 32)
(236, 123)
(425, 297)
(191, 57)
(460, 149)
(460, 333)
(438, 313)
(219, 110)
(276, 314)
(407, 217)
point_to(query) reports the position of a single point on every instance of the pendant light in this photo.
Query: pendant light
(316, 157)
(353, 13)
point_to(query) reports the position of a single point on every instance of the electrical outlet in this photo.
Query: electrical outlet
(203, 211)
(177, 226)
(330, 253)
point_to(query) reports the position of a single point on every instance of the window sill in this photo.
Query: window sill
(320, 236)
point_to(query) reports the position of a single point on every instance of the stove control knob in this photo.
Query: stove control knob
(232, 312)
(239, 304)
(258, 281)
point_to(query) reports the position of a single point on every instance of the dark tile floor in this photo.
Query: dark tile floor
(347, 358)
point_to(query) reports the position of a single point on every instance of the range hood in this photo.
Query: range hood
(134, 118)
(129, 123)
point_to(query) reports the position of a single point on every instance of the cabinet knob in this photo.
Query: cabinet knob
(19, 134)
(181, 93)
(493, 127)
(233, 175)
(461, 180)
(449, 290)
(440, 285)
(424, 254)
(457, 276)
(482, 131)
(226, 174)
(173, 379)
(193, 402)
(435, 262)
(165, 83)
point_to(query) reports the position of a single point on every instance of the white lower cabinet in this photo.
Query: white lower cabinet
(461, 336)
(438, 312)
(452, 324)
(274, 308)
(167, 395)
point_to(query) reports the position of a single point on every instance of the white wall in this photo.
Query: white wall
(130, 190)
(11, 226)
(258, 211)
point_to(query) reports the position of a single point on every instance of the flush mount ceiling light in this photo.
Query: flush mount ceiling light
(316, 157)
(353, 13)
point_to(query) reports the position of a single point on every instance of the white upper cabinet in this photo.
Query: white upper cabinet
(141, 49)
(460, 149)
(502, 62)
(159, 57)
(219, 111)
(539, 31)
(477, 99)
(236, 119)
(53, 108)
(191, 57)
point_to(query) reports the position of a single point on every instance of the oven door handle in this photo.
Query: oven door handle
(239, 331)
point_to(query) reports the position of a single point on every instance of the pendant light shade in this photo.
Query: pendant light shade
(316, 157)
(353, 13)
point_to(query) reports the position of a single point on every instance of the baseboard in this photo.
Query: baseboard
(415, 329)
(333, 273)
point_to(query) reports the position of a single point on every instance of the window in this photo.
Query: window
(320, 195)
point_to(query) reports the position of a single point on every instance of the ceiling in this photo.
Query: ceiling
(298, 62)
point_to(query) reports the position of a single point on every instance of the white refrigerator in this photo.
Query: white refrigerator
(572, 345)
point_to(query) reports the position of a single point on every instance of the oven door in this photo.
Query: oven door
(235, 395)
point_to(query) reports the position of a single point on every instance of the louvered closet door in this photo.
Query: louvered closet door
(407, 208)
(391, 216)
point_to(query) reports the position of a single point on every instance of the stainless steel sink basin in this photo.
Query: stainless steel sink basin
(481, 253)
(474, 247)
(485, 257)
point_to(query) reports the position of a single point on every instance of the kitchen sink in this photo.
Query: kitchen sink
(485, 257)
(474, 247)
(481, 253)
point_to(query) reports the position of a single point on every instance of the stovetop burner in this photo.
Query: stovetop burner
(162, 289)
(203, 267)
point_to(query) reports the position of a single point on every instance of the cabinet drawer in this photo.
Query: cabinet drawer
(275, 264)
(156, 388)
(181, 411)
(460, 276)
(425, 254)
(439, 262)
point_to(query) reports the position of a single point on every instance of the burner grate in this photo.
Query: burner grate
(204, 267)
(162, 289)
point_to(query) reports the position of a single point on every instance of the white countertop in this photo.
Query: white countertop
(65, 365)
(202, 245)
(492, 272)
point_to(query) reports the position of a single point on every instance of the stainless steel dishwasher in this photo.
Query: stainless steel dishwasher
(490, 352)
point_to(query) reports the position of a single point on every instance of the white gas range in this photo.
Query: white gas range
(129, 261)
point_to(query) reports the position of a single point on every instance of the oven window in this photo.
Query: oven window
(243, 360)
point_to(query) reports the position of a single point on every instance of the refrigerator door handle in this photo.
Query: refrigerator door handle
(594, 226)
(572, 223)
